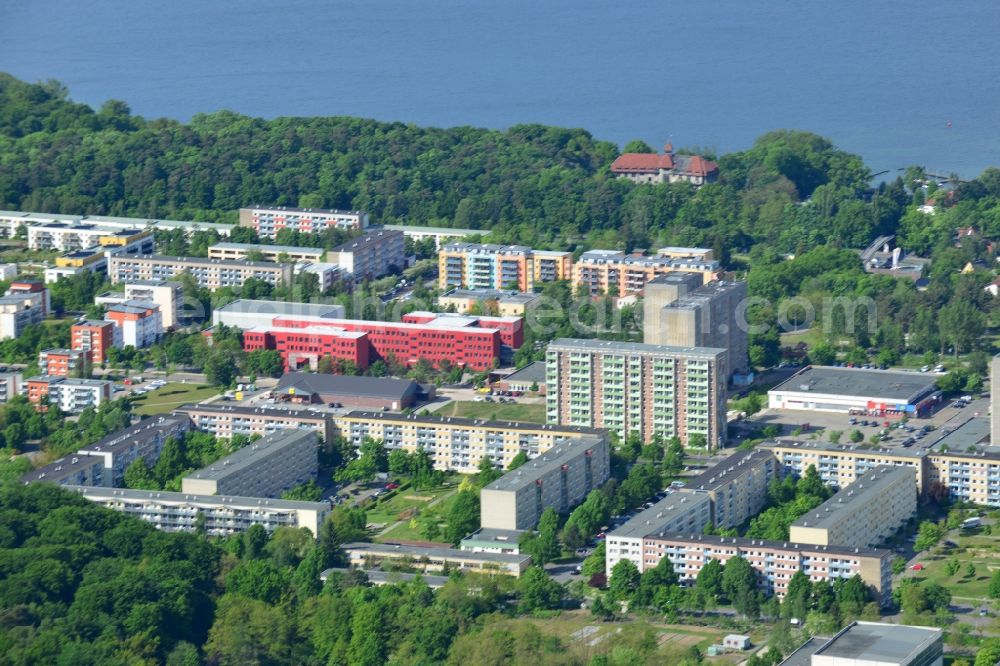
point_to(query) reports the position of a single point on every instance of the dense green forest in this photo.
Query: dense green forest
(791, 194)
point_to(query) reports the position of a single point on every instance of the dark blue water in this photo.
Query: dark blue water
(881, 78)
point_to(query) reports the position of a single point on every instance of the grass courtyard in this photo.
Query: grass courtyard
(533, 413)
(399, 513)
(971, 548)
(171, 396)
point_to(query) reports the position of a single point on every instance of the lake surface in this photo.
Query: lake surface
(901, 83)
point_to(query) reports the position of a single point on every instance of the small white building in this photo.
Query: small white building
(736, 642)
(8, 271)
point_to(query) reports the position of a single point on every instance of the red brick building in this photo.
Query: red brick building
(94, 338)
(473, 342)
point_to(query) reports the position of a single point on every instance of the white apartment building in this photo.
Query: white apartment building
(140, 322)
(679, 512)
(267, 221)
(223, 515)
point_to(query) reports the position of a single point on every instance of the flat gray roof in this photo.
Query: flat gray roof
(250, 410)
(143, 431)
(347, 385)
(495, 536)
(615, 347)
(370, 236)
(443, 231)
(200, 261)
(252, 453)
(261, 247)
(416, 419)
(733, 467)
(896, 386)
(878, 642)
(59, 469)
(829, 446)
(561, 453)
(284, 308)
(654, 518)
(741, 542)
(803, 654)
(856, 496)
(492, 295)
(378, 577)
(293, 209)
(404, 550)
(191, 498)
(533, 372)
(971, 433)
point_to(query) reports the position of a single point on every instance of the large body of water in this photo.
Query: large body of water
(915, 82)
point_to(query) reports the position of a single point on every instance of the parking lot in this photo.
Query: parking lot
(817, 424)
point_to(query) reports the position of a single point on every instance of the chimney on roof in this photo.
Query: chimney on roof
(668, 148)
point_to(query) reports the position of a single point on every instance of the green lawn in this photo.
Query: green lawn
(171, 396)
(403, 504)
(495, 410)
(403, 531)
(977, 549)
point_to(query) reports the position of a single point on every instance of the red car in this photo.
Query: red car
(391, 486)
(917, 567)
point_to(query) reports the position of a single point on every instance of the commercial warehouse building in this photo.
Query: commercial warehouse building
(683, 512)
(629, 387)
(263, 468)
(422, 558)
(267, 221)
(210, 274)
(228, 419)
(348, 391)
(737, 486)
(602, 272)
(507, 267)
(873, 644)
(856, 391)
(679, 310)
(456, 444)
(558, 479)
(220, 515)
(774, 562)
(863, 514)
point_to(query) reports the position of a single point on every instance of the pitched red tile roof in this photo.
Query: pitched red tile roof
(698, 166)
(641, 163)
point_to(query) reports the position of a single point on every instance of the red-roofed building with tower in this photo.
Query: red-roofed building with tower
(665, 168)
